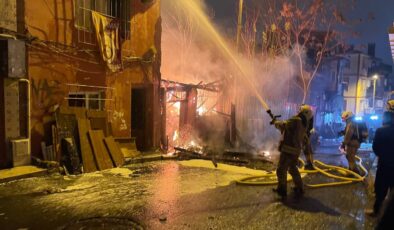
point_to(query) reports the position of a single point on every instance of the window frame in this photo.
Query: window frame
(87, 98)
(83, 17)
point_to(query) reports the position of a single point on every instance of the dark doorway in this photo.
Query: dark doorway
(138, 117)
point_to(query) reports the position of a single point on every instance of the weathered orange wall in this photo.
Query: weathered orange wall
(50, 71)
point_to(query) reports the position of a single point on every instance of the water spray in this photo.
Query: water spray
(194, 8)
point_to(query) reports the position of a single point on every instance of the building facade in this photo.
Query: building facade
(365, 83)
(66, 63)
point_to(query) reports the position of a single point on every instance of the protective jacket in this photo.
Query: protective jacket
(293, 133)
(351, 135)
(383, 146)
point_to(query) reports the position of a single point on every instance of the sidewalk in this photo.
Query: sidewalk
(21, 172)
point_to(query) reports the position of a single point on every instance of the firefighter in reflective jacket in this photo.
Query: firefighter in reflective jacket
(390, 106)
(308, 151)
(350, 141)
(293, 135)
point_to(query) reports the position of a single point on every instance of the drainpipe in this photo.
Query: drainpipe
(28, 111)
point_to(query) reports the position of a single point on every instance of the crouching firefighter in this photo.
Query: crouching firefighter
(293, 132)
(307, 146)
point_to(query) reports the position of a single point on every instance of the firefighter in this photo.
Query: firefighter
(308, 150)
(293, 135)
(350, 142)
(382, 147)
(390, 106)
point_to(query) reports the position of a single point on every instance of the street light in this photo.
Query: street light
(374, 77)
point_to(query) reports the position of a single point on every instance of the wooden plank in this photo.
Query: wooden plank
(55, 144)
(100, 152)
(98, 121)
(88, 160)
(114, 151)
(100, 124)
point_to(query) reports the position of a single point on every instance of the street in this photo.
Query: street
(171, 195)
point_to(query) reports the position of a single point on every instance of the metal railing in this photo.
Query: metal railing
(119, 9)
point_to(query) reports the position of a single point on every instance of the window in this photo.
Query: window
(117, 9)
(88, 100)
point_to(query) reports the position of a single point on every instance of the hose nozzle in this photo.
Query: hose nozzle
(273, 117)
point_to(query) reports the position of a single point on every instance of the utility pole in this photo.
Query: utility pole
(375, 77)
(233, 127)
(239, 24)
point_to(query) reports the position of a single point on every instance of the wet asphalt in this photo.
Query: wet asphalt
(167, 195)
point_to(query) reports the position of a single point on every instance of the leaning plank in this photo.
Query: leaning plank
(98, 120)
(114, 151)
(99, 150)
(88, 161)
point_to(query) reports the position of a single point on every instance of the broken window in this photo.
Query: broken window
(117, 9)
(88, 100)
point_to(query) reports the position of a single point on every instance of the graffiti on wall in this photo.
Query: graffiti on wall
(45, 95)
(118, 118)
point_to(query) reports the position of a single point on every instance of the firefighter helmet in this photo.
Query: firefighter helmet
(346, 115)
(306, 110)
(390, 105)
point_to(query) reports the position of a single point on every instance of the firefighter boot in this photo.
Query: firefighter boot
(309, 166)
(281, 192)
(298, 193)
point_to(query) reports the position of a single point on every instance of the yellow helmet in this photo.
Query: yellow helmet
(346, 115)
(390, 105)
(307, 111)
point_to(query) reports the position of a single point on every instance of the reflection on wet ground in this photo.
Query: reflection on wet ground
(167, 195)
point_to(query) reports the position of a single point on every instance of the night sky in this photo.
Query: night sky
(370, 21)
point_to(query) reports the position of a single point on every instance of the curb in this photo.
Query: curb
(144, 159)
(24, 176)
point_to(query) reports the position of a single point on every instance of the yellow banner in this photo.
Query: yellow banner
(107, 32)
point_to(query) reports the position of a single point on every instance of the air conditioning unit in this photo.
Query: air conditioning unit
(20, 152)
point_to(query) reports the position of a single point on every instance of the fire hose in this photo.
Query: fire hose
(344, 179)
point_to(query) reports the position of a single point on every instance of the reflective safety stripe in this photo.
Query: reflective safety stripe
(290, 149)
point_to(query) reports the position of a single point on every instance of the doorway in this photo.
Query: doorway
(138, 116)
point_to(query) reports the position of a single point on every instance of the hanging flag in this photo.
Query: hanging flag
(108, 39)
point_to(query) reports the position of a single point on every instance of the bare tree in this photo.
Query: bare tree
(249, 31)
(305, 31)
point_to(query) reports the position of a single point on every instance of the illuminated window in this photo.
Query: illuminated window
(88, 100)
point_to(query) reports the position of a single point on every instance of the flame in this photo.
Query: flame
(176, 135)
(201, 110)
(177, 105)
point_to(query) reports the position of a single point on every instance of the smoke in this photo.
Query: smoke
(193, 51)
(187, 56)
